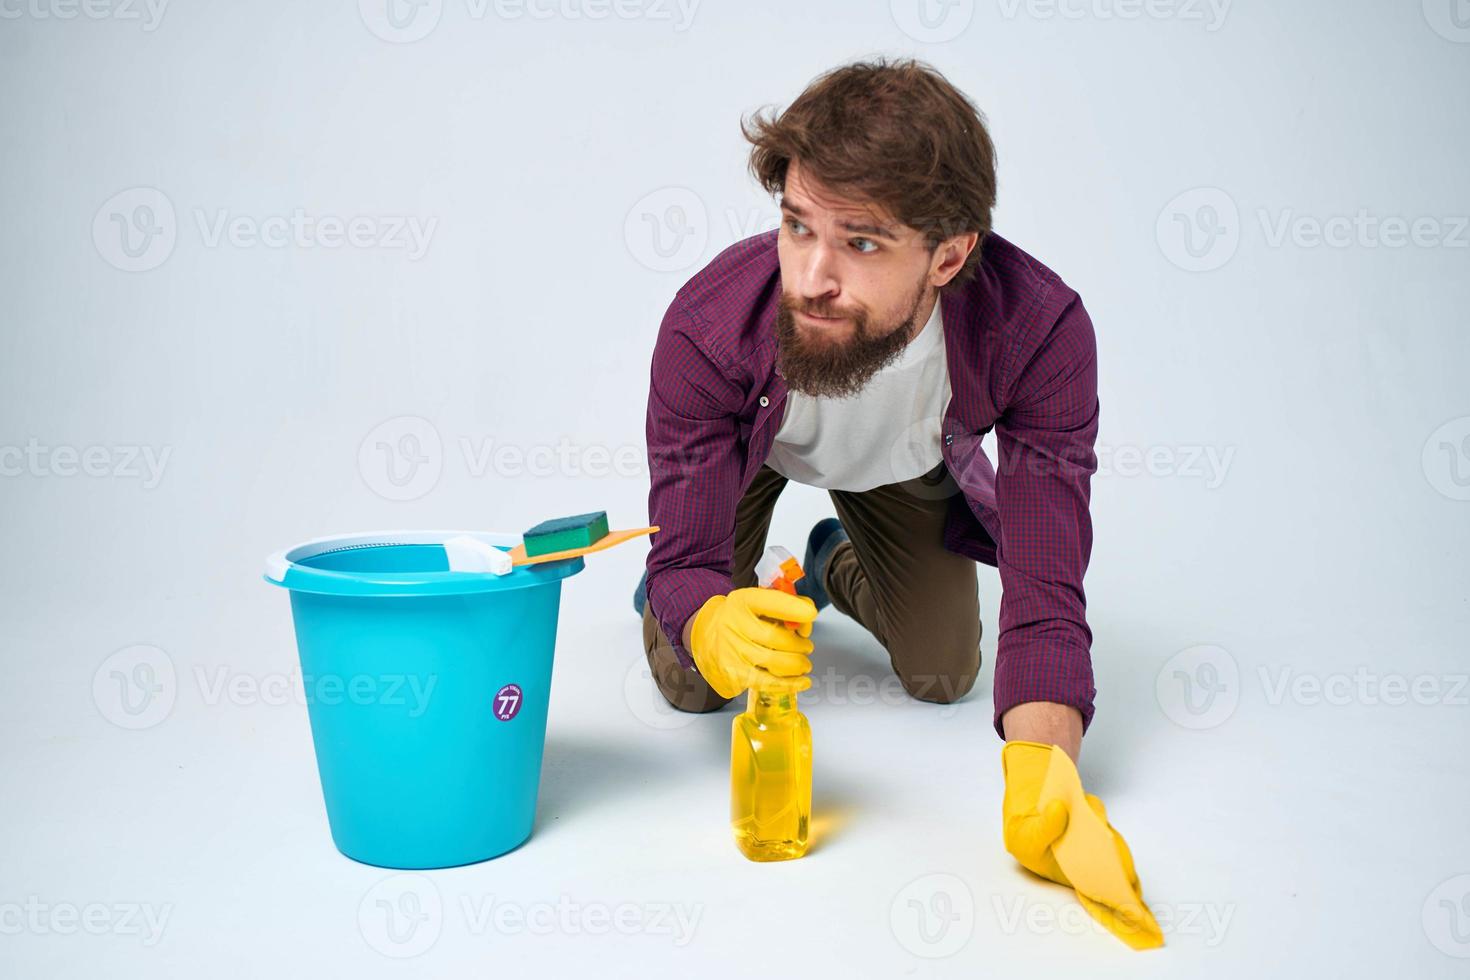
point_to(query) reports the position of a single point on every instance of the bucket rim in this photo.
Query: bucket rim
(284, 567)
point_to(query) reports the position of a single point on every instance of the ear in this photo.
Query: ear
(949, 257)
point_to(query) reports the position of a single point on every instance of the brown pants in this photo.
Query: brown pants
(894, 577)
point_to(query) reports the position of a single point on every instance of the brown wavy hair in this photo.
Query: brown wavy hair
(893, 133)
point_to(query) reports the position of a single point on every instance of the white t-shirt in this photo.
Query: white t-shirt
(889, 431)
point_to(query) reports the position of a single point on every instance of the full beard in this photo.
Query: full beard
(821, 367)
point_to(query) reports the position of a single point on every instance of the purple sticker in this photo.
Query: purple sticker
(508, 702)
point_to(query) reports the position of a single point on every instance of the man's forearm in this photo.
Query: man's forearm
(1046, 722)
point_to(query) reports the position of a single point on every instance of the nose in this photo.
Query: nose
(818, 275)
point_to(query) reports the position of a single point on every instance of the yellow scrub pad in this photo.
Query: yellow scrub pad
(519, 557)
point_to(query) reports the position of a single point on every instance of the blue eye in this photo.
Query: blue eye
(868, 241)
(794, 225)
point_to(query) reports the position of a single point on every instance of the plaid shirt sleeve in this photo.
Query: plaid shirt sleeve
(695, 459)
(1046, 438)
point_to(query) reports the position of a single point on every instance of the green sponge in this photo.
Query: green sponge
(564, 533)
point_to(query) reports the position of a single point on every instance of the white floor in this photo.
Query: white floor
(1287, 838)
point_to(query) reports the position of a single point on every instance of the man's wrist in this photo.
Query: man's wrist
(1046, 722)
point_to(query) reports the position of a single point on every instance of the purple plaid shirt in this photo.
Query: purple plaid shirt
(1022, 361)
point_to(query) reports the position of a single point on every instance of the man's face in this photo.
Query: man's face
(856, 286)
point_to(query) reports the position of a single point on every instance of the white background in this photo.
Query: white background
(1302, 812)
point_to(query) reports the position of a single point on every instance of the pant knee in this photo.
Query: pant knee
(939, 687)
(686, 691)
(683, 688)
(940, 676)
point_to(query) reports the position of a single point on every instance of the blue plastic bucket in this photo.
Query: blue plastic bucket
(427, 690)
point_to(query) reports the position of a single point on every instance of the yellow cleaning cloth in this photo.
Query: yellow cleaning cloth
(1095, 859)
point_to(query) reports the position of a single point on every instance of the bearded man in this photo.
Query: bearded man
(866, 347)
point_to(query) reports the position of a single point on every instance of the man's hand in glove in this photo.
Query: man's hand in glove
(742, 640)
(1029, 833)
(1057, 831)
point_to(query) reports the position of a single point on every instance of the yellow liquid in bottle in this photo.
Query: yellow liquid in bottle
(771, 778)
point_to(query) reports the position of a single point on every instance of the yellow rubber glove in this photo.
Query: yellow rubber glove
(1059, 832)
(741, 640)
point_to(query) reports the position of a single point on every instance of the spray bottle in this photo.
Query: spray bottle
(771, 753)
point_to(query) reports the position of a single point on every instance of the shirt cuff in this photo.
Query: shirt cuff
(1043, 673)
(678, 593)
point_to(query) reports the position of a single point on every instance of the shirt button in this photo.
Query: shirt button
(949, 440)
(765, 401)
